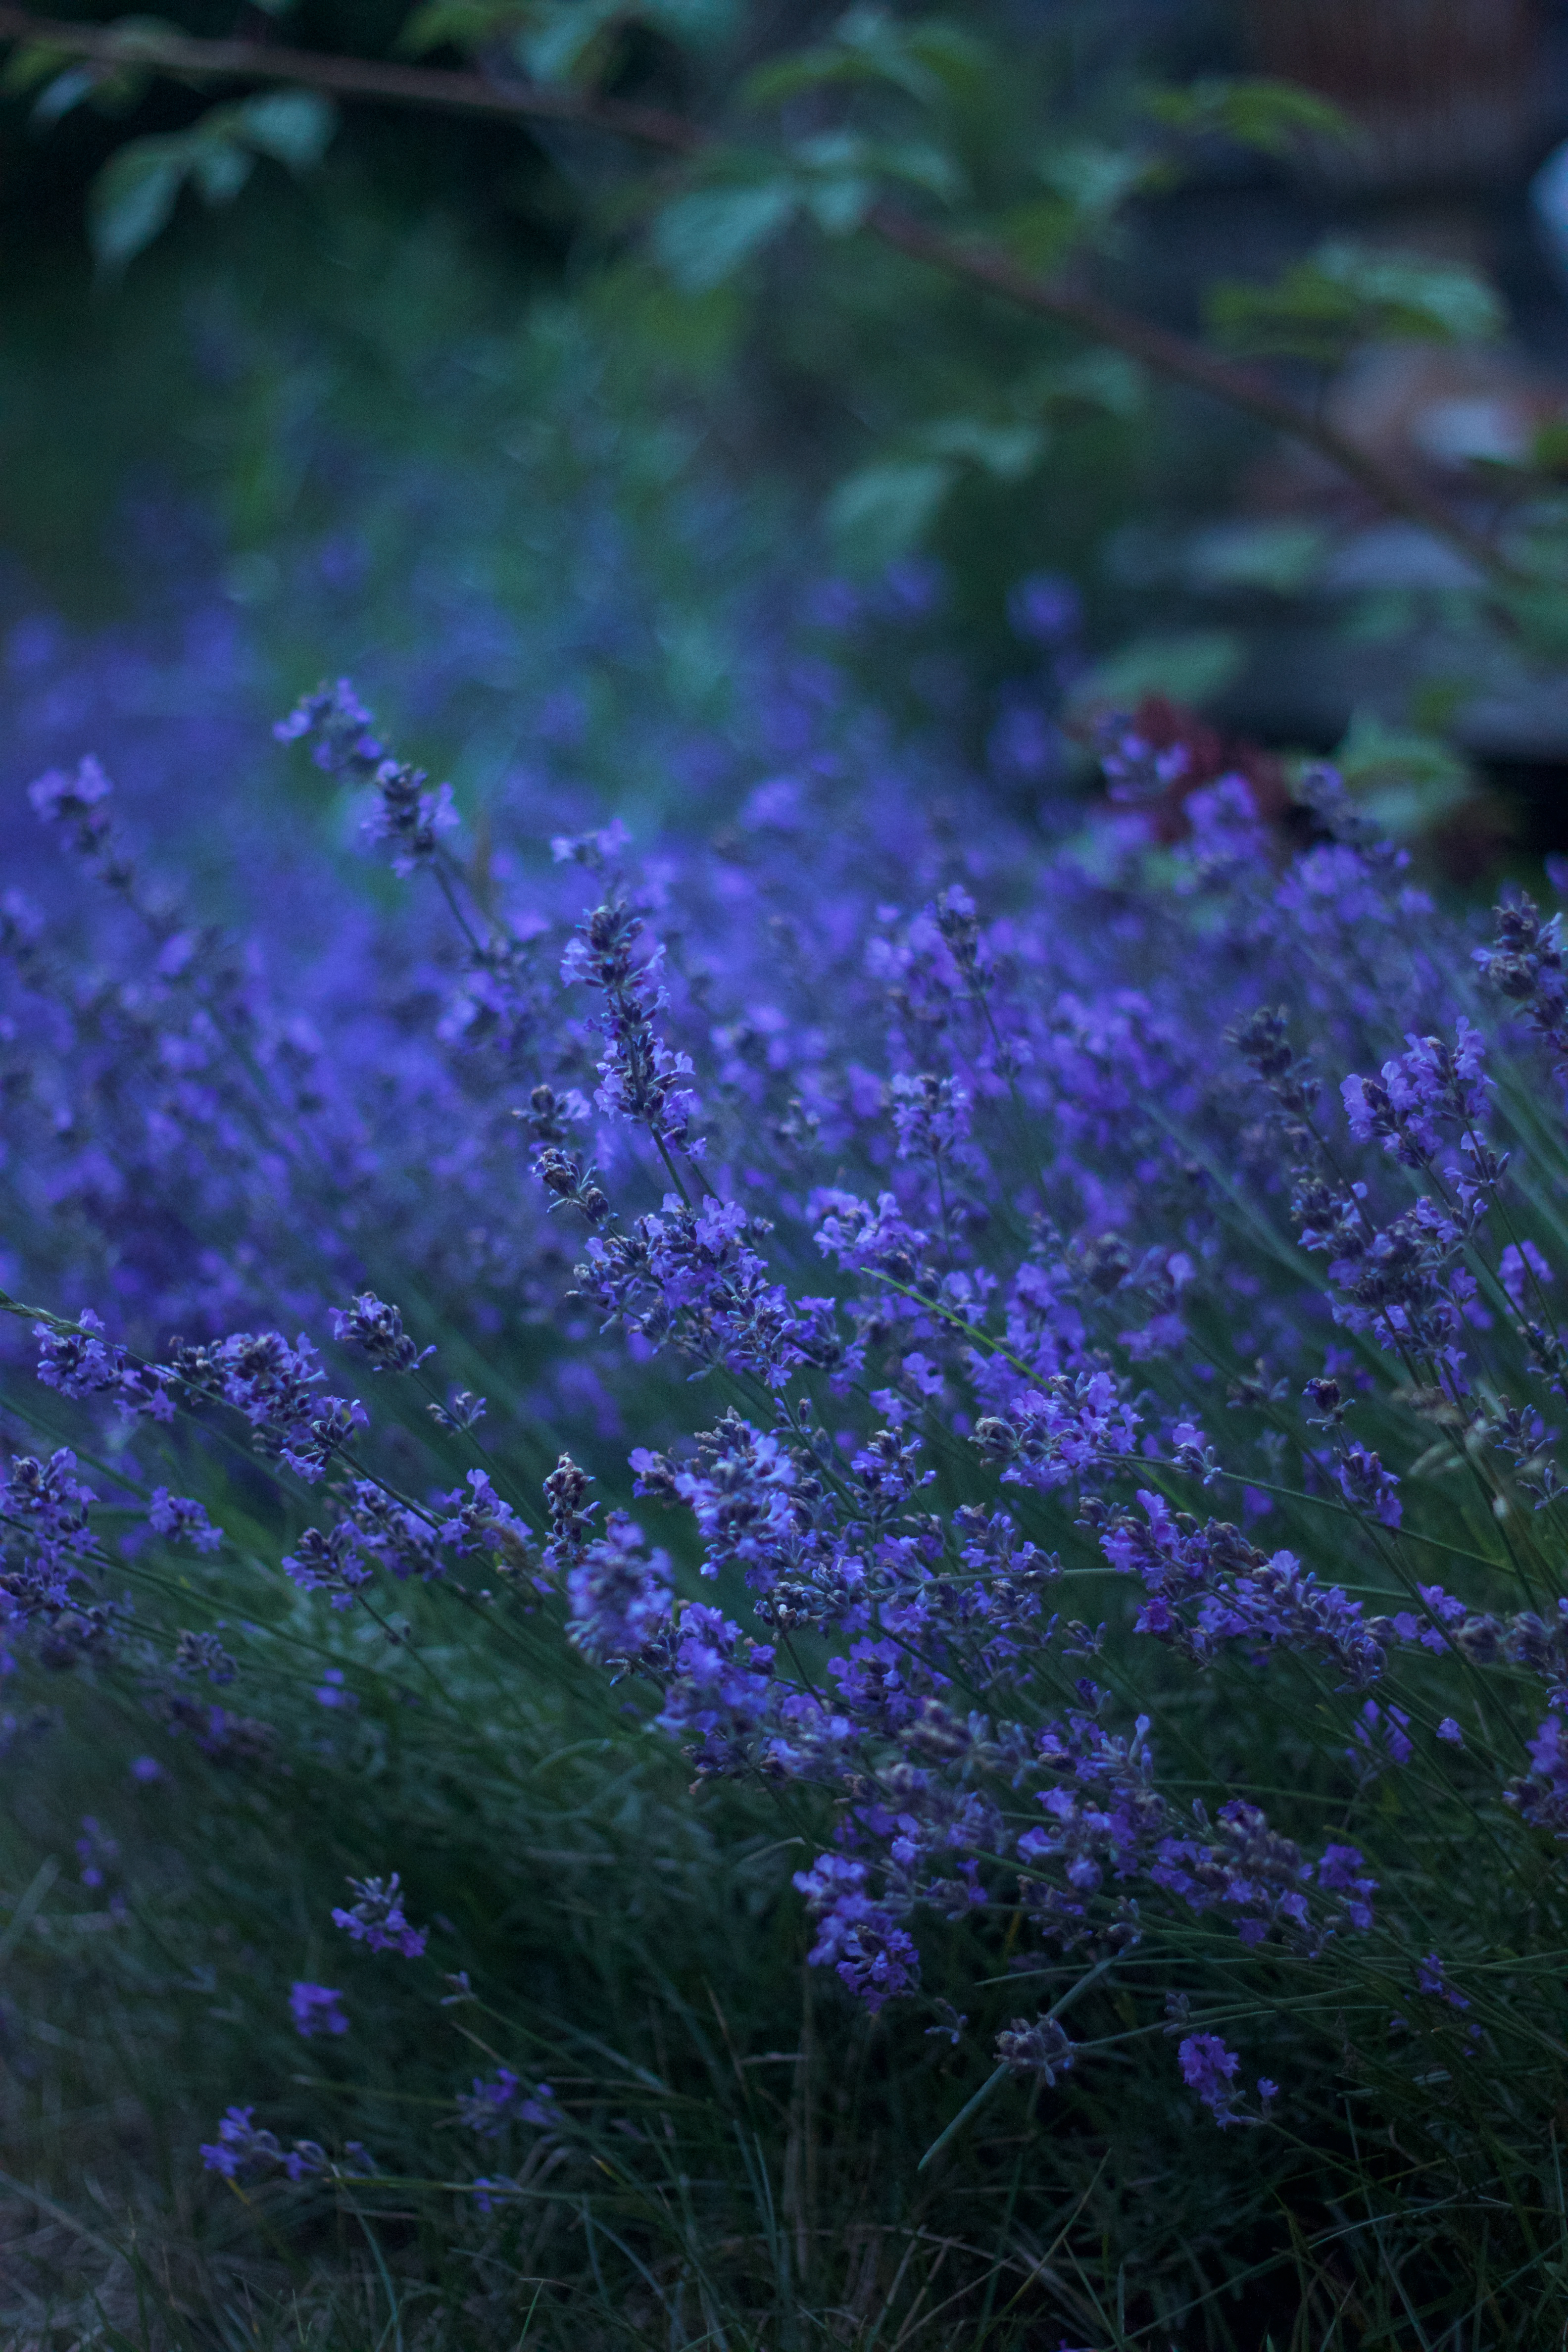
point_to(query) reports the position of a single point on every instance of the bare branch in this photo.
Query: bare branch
(369, 78)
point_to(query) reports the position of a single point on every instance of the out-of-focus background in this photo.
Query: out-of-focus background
(431, 412)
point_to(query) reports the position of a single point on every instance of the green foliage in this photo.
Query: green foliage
(1344, 295)
(930, 60)
(743, 201)
(1275, 116)
(136, 194)
(1192, 666)
(1405, 778)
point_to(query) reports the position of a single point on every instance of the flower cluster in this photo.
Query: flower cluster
(1088, 1368)
(377, 1920)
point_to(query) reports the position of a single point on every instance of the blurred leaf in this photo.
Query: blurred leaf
(1345, 295)
(881, 513)
(1404, 778)
(840, 171)
(1374, 754)
(1540, 612)
(1280, 556)
(692, 21)
(1039, 234)
(30, 63)
(926, 60)
(1192, 666)
(1006, 451)
(1090, 177)
(220, 168)
(133, 196)
(1104, 380)
(66, 90)
(705, 236)
(839, 204)
(561, 40)
(293, 126)
(1256, 112)
(564, 40)
(1549, 449)
(462, 24)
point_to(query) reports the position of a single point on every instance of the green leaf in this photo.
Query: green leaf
(30, 63)
(1192, 666)
(66, 90)
(1345, 294)
(1006, 451)
(1093, 178)
(459, 24)
(1105, 380)
(293, 126)
(926, 61)
(879, 513)
(220, 168)
(839, 171)
(839, 204)
(705, 236)
(133, 196)
(692, 21)
(1282, 557)
(563, 41)
(1275, 116)
(1389, 766)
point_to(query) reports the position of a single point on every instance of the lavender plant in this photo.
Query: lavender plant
(1085, 1576)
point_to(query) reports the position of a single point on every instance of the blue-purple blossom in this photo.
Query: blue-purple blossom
(1428, 1089)
(986, 1200)
(377, 1920)
(857, 1937)
(619, 1598)
(96, 1852)
(1431, 1979)
(376, 1330)
(182, 1519)
(241, 2152)
(1039, 2051)
(504, 2098)
(315, 2010)
(1210, 2069)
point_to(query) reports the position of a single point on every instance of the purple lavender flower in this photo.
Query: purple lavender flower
(1431, 1979)
(1210, 2069)
(1427, 1087)
(619, 1599)
(505, 2098)
(857, 1937)
(1038, 2051)
(1524, 964)
(370, 1325)
(204, 1653)
(96, 1851)
(242, 2152)
(179, 1518)
(1540, 1795)
(377, 1919)
(1363, 1481)
(641, 1077)
(316, 2009)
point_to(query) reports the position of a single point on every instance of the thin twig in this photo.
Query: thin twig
(977, 261)
(135, 44)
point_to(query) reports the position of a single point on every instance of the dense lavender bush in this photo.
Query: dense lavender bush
(1018, 1359)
